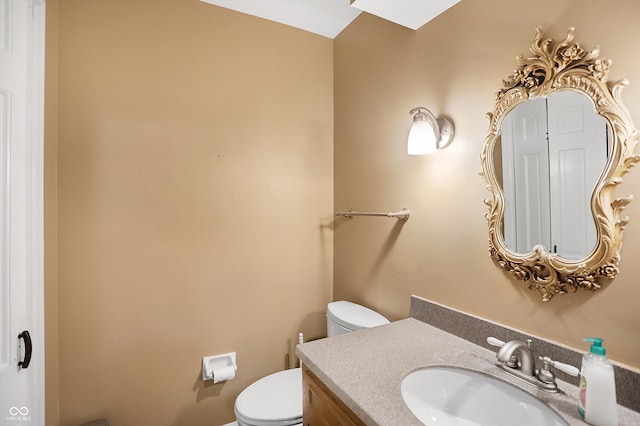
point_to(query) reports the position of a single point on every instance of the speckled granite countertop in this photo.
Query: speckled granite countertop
(365, 370)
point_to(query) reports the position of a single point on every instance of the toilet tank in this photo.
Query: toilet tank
(345, 317)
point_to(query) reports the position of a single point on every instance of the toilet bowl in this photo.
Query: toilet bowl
(276, 400)
(273, 400)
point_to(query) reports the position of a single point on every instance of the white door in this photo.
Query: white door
(554, 151)
(529, 207)
(508, 183)
(21, 212)
(578, 155)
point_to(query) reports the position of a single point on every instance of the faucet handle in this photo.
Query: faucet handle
(566, 368)
(546, 375)
(495, 342)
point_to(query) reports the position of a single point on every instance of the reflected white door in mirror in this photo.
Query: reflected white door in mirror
(560, 139)
(553, 152)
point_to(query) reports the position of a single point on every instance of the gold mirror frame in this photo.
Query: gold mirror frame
(553, 67)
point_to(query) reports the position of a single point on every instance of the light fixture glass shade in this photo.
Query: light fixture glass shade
(422, 138)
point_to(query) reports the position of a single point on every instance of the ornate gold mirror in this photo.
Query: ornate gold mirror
(559, 142)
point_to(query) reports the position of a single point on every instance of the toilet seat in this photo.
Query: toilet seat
(352, 316)
(273, 400)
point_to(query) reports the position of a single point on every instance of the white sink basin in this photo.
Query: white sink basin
(455, 396)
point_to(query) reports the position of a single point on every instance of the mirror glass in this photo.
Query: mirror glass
(560, 140)
(549, 155)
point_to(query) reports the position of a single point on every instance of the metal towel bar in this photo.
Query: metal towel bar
(402, 214)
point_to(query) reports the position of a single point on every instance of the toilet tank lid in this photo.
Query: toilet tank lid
(353, 316)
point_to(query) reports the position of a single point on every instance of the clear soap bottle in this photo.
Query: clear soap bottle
(597, 402)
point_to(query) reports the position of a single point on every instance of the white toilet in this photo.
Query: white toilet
(276, 400)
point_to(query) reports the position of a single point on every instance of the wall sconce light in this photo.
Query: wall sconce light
(427, 133)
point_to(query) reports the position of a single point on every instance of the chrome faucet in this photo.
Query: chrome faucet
(517, 360)
(526, 363)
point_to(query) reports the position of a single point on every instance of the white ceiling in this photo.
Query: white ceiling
(408, 13)
(329, 17)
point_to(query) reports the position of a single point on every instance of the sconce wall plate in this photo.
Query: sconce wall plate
(446, 132)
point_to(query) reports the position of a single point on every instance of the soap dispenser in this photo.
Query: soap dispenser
(597, 401)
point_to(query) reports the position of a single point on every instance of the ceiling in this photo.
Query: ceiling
(329, 17)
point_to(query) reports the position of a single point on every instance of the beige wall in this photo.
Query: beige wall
(453, 66)
(194, 182)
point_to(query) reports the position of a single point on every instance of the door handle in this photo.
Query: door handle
(27, 349)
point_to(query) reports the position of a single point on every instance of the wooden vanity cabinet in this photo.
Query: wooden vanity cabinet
(321, 406)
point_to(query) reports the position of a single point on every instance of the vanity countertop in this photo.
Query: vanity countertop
(365, 370)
